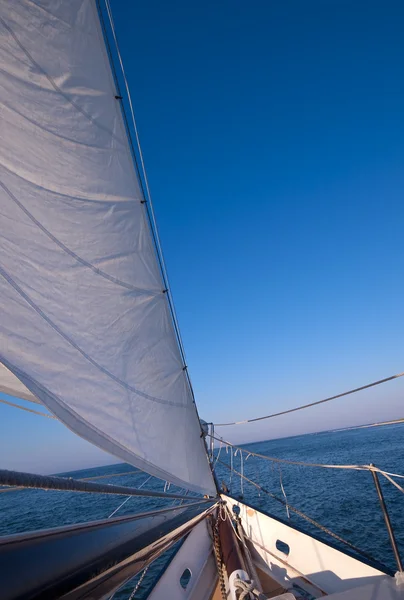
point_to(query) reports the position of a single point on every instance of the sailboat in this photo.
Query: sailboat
(88, 330)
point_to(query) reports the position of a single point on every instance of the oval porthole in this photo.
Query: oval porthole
(282, 547)
(185, 579)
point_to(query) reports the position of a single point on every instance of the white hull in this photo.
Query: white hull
(311, 567)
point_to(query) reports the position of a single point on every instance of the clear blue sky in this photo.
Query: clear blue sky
(273, 135)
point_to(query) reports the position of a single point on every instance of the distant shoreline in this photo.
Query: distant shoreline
(394, 422)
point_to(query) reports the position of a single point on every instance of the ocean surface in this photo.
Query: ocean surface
(346, 502)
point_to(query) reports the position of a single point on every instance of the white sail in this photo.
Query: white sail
(85, 324)
(10, 385)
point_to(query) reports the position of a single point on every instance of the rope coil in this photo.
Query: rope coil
(246, 588)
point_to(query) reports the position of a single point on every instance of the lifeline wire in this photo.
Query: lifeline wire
(228, 444)
(129, 497)
(303, 515)
(305, 464)
(147, 195)
(285, 412)
(283, 491)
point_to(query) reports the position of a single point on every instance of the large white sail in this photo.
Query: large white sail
(85, 324)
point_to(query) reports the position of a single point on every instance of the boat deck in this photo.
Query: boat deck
(270, 587)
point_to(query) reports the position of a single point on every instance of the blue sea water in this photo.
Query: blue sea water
(346, 502)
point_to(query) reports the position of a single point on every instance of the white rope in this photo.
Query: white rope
(238, 451)
(242, 474)
(246, 588)
(228, 515)
(222, 511)
(290, 410)
(392, 474)
(182, 501)
(391, 481)
(257, 478)
(389, 476)
(35, 412)
(119, 507)
(304, 516)
(180, 491)
(231, 466)
(126, 499)
(283, 491)
(218, 454)
(306, 464)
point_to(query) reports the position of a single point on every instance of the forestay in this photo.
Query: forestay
(85, 322)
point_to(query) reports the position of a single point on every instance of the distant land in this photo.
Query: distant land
(325, 431)
(394, 422)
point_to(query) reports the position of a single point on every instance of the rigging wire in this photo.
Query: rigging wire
(227, 444)
(139, 583)
(283, 491)
(303, 515)
(386, 475)
(241, 472)
(306, 464)
(218, 454)
(144, 184)
(291, 410)
(146, 191)
(129, 497)
(35, 412)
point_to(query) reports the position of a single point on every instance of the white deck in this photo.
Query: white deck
(195, 554)
(312, 565)
(379, 590)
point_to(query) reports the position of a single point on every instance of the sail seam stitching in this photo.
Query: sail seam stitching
(125, 453)
(40, 312)
(84, 262)
(54, 84)
(68, 196)
(66, 140)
